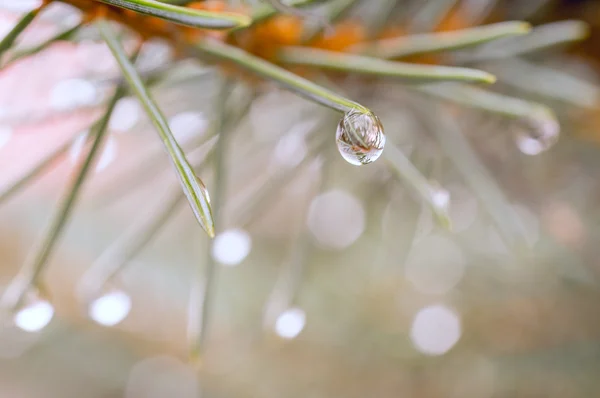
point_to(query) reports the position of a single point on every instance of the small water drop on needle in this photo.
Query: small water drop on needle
(110, 308)
(536, 134)
(440, 197)
(290, 323)
(204, 215)
(360, 138)
(203, 189)
(34, 314)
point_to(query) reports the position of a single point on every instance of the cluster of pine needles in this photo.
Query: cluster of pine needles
(291, 44)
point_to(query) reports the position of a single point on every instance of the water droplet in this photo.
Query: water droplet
(537, 133)
(204, 214)
(290, 323)
(440, 197)
(435, 330)
(231, 247)
(440, 202)
(111, 308)
(205, 192)
(360, 137)
(34, 315)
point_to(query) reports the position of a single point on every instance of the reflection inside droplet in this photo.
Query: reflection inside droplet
(111, 308)
(34, 316)
(537, 133)
(360, 137)
(290, 323)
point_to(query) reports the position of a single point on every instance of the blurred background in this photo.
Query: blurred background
(331, 280)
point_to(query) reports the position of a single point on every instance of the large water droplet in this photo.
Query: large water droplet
(537, 133)
(360, 137)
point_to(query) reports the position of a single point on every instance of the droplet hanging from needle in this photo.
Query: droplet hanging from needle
(110, 308)
(34, 314)
(537, 133)
(360, 137)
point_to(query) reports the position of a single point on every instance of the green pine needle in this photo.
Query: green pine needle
(441, 41)
(127, 246)
(409, 174)
(37, 170)
(485, 100)
(193, 187)
(62, 36)
(203, 289)
(540, 38)
(257, 201)
(184, 15)
(119, 254)
(476, 175)
(35, 264)
(338, 61)
(293, 82)
(8, 40)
